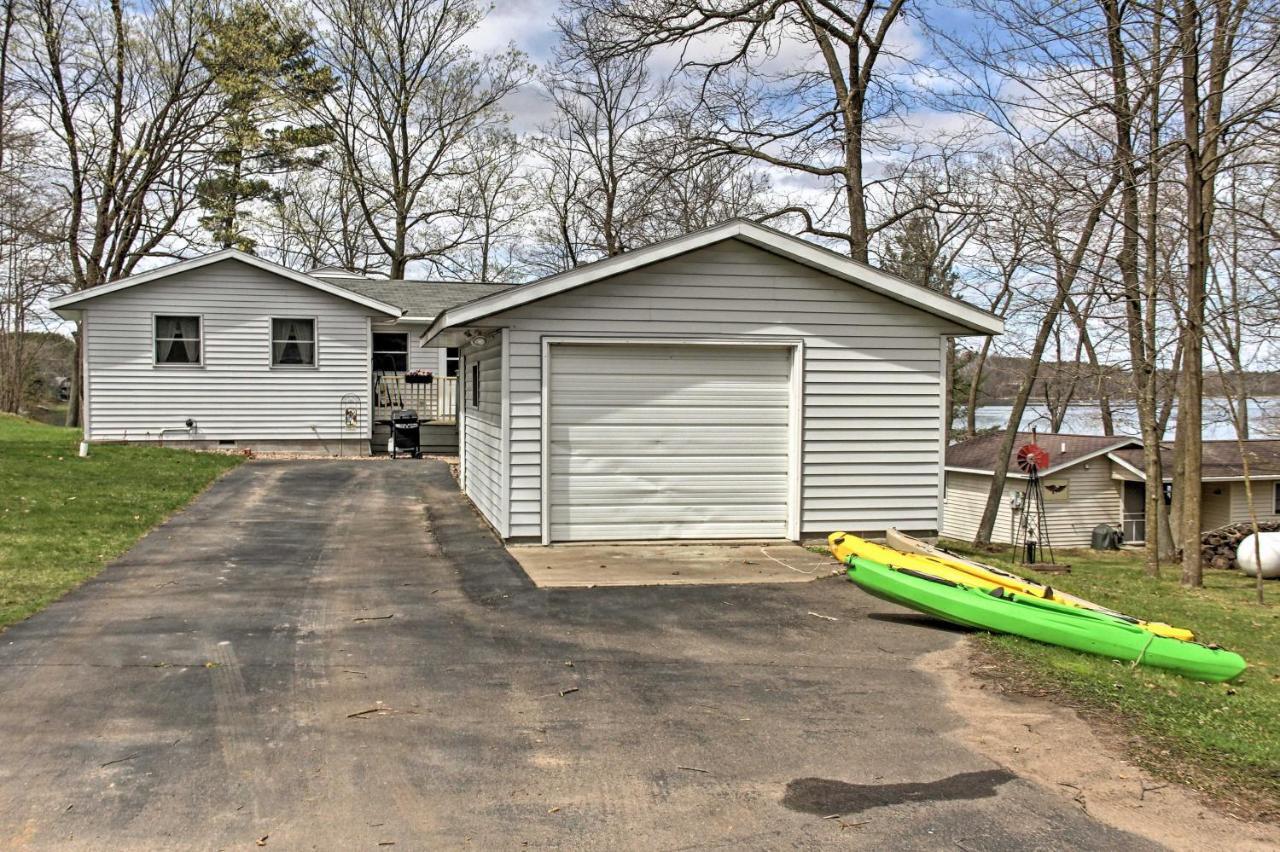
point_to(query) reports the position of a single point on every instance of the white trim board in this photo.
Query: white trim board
(795, 415)
(784, 245)
(70, 300)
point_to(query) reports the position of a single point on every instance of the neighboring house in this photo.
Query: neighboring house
(1095, 480)
(736, 382)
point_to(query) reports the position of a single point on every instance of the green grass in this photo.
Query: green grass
(62, 518)
(1222, 738)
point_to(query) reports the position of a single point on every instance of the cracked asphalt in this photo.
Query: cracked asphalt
(341, 655)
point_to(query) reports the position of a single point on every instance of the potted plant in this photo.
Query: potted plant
(418, 377)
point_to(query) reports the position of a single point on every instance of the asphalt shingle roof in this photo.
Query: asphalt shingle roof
(1221, 459)
(980, 453)
(419, 298)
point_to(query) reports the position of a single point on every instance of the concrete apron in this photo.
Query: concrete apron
(669, 564)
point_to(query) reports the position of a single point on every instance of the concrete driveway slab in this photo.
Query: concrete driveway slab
(320, 655)
(569, 566)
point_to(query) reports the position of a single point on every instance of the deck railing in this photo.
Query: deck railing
(435, 401)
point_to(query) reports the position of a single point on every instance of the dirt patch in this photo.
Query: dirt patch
(1051, 745)
(825, 796)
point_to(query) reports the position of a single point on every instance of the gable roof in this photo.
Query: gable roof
(421, 300)
(70, 300)
(978, 455)
(769, 239)
(1222, 459)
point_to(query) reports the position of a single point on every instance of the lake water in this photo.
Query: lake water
(1083, 418)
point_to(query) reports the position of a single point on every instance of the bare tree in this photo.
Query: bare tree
(819, 114)
(32, 259)
(496, 188)
(1227, 86)
(128, 108)
(411, 95)
(316, 220)
(1068, 249)
(607, 111)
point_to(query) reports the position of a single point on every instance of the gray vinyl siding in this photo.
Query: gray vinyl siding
(962, 505)
(872, 393)
(1263, 501)
(1094, 499)
(482, 430)
(236, 394)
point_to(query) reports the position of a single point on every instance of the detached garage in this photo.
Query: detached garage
(735, 383)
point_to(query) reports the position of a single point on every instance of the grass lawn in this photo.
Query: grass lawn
(62, 518)
(1221, 738)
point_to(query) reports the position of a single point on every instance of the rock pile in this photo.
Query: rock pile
(1218, 547)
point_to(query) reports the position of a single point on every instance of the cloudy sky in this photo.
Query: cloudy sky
(528, 24)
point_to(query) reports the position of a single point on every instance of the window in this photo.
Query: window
(178, 341)
(390, 352)
(452, 356)
(1275, 499)
(293, 342)
(475, 385)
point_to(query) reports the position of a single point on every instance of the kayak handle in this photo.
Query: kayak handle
(923, 576)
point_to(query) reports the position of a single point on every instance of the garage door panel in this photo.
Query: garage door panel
(664, 441)
(659, 463)
(603, 361)
(750, 511)
(645, 531)
(612, 490)
(700, 397)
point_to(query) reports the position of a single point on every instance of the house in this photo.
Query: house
(735, 382)
(232, 351)
(1094, 479)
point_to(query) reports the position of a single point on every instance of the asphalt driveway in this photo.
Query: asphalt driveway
(340, 655)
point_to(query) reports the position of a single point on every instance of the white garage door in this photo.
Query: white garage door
(654, 441)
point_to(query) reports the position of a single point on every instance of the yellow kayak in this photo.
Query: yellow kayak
(946, 566)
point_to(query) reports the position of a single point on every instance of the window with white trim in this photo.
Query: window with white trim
(452, 357)
(293, 342)
(1275, 499)
(475, 385)
(178, 341)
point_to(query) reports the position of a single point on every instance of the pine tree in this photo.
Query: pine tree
(266, 75)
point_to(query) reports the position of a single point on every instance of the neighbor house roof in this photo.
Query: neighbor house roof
(1222, 459)
(978, 455)
(784, 245)
(69, 301)
(423, 300)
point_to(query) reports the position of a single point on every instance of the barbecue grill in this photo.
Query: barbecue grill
(406, 433)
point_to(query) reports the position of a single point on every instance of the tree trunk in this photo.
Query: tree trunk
(1065, 282)
(975, 384)
(1191, 390)
(75, 388)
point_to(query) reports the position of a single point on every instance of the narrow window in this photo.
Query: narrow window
(177, 340)
(293, 342)
(452, 357)
(475, 385)
(390, 352)
(1275, 499)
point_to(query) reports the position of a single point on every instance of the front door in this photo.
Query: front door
(1135, 512)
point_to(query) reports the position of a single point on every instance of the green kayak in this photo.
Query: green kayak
(1001, 611)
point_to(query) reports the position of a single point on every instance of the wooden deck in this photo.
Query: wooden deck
(435, 402)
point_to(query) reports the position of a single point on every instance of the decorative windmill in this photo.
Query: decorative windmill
(1031, 531)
